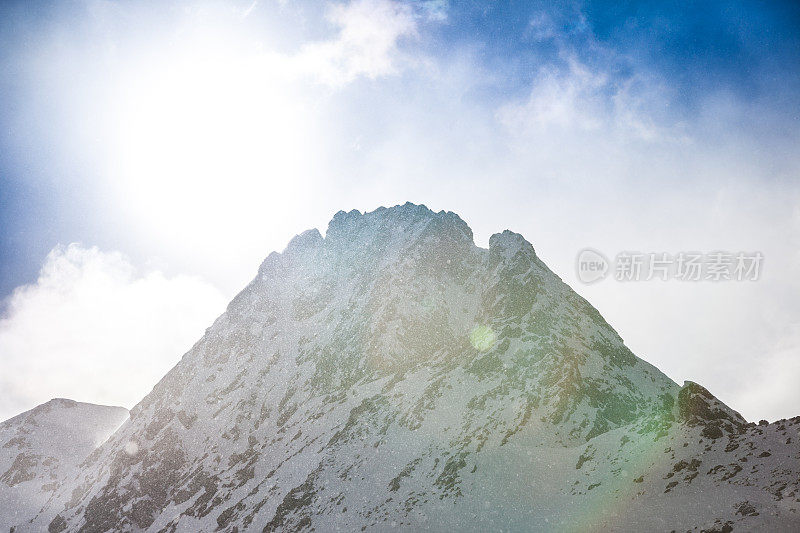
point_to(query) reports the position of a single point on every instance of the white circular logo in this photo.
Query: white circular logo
(592, 266)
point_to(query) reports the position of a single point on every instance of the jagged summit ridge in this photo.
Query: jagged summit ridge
(390, 226)
(403, 219)
(397, 227)
(400, 218)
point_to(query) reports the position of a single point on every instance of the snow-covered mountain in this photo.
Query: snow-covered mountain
(45, 445)
(393, 375)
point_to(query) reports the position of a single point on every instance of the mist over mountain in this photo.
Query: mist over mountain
(393, 375)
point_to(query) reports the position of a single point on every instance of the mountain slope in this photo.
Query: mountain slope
(394, 374)
(41, 447)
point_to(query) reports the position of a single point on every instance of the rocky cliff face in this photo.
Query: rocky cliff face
(43, 446)
(394, 375)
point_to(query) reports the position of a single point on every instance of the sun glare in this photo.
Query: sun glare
(204, 133)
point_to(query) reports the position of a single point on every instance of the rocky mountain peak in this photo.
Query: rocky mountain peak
(508, 244)
(45, 445)
(394, 372)
(697, 406)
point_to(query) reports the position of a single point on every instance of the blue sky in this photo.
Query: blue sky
(749, 51)
(182, 143)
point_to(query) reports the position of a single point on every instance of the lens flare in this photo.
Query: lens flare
(482, 338)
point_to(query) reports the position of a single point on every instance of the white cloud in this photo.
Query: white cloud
(367, 43)
(435, 10)
(541, 27)
(93, 328)
(578, 99)
(561, 100)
